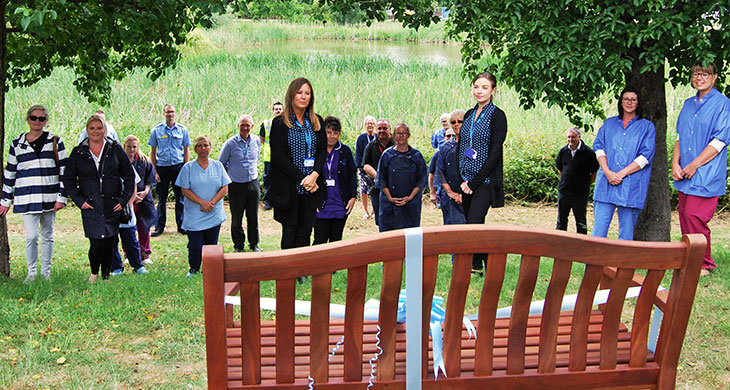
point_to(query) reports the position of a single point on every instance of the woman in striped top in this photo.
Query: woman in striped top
(31, 182)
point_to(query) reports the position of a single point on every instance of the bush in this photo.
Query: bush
(529, 171)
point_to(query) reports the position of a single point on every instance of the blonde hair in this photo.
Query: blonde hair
(140, 155)
(96, 117)
(200, 140)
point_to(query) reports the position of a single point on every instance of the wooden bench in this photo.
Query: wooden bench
(585, 348)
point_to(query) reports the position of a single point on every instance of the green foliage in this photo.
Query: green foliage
(304, 11)
(529, 172)
(99, 41)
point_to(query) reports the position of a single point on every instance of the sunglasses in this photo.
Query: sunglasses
(448, 135)
(382, 128)
(457, 121)
(37, 118)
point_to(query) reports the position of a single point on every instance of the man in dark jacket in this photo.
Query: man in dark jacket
(577, 165)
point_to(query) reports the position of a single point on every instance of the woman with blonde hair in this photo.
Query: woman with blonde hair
(204, 182)
(144, 204)
(100, 180)
(32, 184)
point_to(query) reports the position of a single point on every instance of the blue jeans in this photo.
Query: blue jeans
(130, 245)
(196, 240)
(603, 214)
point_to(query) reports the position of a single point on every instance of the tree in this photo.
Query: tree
(101, 41)
(570, 53)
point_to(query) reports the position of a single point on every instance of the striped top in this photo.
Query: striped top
(33, 182)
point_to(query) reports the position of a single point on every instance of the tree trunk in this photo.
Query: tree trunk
(4, 245)
(655, 220)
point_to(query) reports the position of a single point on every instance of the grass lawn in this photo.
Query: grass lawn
(146, 332)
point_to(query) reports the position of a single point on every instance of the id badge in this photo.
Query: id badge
(471, 153)
(330, 182)
(309, 162)
(244, 163)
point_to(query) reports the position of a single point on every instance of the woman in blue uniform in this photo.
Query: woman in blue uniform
(204, 182)
(401, 177)
(480, 156)
(447, 168)
(699, 163)
(340, 176)
(624, 148)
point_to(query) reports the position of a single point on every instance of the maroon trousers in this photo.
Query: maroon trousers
(694, 214)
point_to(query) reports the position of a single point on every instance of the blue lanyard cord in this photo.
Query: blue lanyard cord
(245, 146)
(307, 134)
(471, 128)
(332, 158)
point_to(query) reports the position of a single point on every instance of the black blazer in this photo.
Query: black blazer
(284, 175)
(346, 176)
(493, 167)
(112, 184)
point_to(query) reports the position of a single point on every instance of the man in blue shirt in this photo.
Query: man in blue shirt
(240, 157)
(169, 142)
(437, 138)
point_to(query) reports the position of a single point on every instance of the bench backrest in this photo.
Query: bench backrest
(602, 258)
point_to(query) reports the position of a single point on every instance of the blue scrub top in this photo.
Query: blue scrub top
(205, 183)
(698, 123)
(401, 172)
(622, 146)
(170, 142)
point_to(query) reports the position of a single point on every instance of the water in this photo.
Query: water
(448, 53)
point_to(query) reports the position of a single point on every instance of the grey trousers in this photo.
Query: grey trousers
(46, 219)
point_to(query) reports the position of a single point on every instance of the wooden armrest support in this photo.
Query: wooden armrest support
(637, 280)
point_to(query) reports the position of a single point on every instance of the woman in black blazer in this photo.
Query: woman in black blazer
(480, 156)
(340, 176)
(298, 151)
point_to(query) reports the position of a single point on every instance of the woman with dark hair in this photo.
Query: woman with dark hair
(340, 178)
(699, 163)
(624, 148)
(480, 156)
(298, 153)
(100, 179)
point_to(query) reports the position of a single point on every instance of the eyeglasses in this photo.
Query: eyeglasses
(701, 75)
(457, 121)
(448, 135)
(382, 128)
(169, 112)
(630, 100)
(37, 118)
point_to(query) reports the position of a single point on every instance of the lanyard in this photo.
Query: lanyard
(381, 148)
(368, 137)
(245, 145)
(471, 128)
(307, 134)
(329, 163)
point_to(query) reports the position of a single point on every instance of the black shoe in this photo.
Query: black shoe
(157, 232)
(267, 207)
(255, 248)
(238, 250)
(182, 231)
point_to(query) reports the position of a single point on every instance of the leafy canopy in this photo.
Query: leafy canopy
(571, 52)
(100, 41)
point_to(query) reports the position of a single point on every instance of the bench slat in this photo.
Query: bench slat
(460, 275)
(285, 293)
(642, 315)
(354, 306)
(215, 317)
(551, 314)
(612, 317)
(387, 317)
(488, 303)
(319, 347)
(251, 332)
(529, 267)
(582, 316)
(430, 271)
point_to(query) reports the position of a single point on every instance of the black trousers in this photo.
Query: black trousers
(578, 205)
(328, 230)
(267, 180)
(476, 207)
(297, 231)
(101, 252)
(168, 176)
(375, 200)
(244, 197)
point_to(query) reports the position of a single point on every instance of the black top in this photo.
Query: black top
(372, 153)
(284, 173)
(38, 143)
(576, 171)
